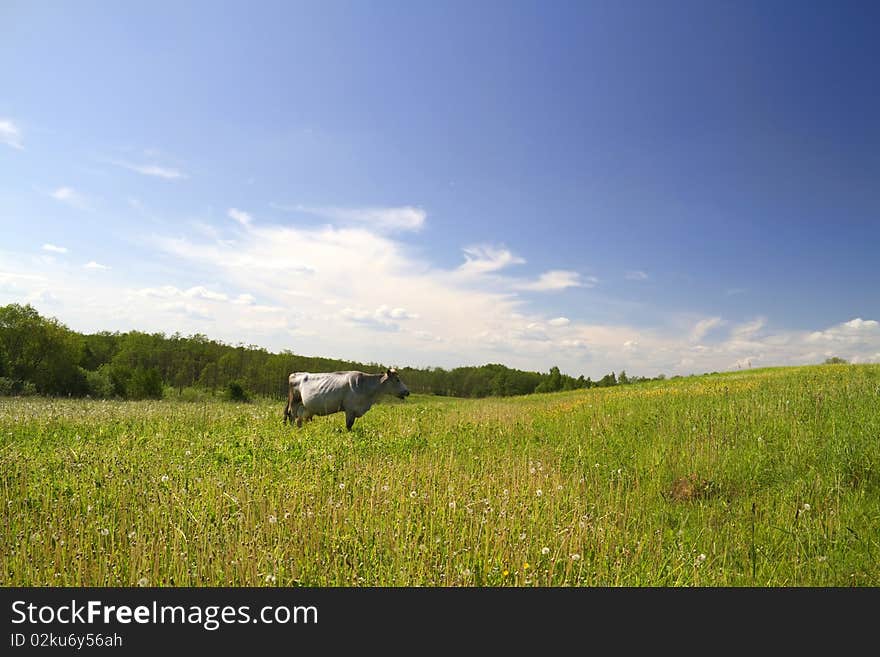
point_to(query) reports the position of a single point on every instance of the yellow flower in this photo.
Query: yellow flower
(526, 566)
(505, 573)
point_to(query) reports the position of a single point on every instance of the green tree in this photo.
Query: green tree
(40, 351)
(209, 377)
(145, 383)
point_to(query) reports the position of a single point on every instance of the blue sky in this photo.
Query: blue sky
(658, 187)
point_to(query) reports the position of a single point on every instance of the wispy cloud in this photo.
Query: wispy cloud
(240, 216)
(702, 327)
(71, 197)
(360, 294)
(404, 217)
(153, 170)
(636, 275)
(10, 134)
(95, 266)
(557, 279)
(54, 249)
(481, 259)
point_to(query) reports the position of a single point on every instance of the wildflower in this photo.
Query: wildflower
(164, 478)
(505, 573)
(821, 559)
(270, 578)
(526, 565)
(522, 536)
(143, 581)
(539, 492)
(701, 559)
(807, 507)
(188, 453)
(452, 504)
(545, 551)
(341, 486)
(575, 557)
(272, 520)
(103, 531)
(532, 470)
(505, 492)
(559, 487)
(385, 488)
(413, 494)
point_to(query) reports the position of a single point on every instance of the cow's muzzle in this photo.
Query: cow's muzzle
(404, 394)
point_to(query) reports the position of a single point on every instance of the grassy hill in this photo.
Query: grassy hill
(766, 477)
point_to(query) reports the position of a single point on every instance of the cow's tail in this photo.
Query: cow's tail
(293, 398)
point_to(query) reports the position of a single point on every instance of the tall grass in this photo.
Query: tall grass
(767, 478)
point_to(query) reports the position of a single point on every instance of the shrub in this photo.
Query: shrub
(236, 392)
(99, 383)
(145, 383)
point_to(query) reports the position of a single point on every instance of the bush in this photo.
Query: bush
(145, 383)
(13, 387)
(835, 360)
(7, 386)
(236, 392)
(99, 383)
(191, 394)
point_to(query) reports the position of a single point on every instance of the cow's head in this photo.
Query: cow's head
(393, 385)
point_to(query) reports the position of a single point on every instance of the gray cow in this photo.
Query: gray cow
(323, 393)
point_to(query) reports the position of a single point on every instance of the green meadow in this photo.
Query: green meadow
(754, 478)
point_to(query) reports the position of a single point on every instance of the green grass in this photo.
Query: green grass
(767, 478)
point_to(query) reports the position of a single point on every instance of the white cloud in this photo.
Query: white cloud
(636, 275)
(853, 332)
(557, 279)
(70, 196)
(240, 216)
(484, 258)
(153, 170)
(10, 134)
(859, 324)
(95, 265)
(702, 327)
(196, 292)
(54, 249)
(749, 329)
(359, 294)
(404, 217)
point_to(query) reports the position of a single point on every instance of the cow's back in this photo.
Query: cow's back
(324, 392)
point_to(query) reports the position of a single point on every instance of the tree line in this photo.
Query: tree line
(40, 355)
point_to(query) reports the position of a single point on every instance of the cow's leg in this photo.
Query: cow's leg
(288, 408)
(350, 417)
